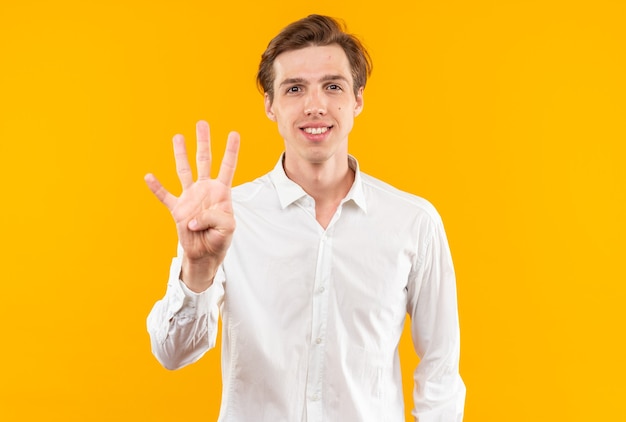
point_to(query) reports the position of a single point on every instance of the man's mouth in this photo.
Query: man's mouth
(316, 130)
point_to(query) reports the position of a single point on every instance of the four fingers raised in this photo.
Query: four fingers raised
(203, 162)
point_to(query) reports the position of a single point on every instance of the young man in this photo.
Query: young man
(314, 284)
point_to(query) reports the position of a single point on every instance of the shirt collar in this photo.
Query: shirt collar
(289, 191)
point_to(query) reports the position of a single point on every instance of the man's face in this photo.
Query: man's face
(314, 103)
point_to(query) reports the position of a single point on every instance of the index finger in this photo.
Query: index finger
(229, 162)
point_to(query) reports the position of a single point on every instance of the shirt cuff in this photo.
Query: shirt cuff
(184, 302)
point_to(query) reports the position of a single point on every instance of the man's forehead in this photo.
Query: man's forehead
(311, 64)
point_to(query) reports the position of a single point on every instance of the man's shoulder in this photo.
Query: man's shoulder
(385, 195)
(252, 189)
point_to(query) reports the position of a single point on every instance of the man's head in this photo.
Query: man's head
(314, 30)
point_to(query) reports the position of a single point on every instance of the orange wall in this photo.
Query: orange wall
(508, 116)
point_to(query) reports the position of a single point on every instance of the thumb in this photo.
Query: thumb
(212, 219)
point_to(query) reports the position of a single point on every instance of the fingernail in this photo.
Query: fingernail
(193, 224)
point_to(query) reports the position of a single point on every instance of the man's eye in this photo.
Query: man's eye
(334, 87)
(294, 89)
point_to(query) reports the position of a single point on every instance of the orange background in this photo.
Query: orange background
(509, 116)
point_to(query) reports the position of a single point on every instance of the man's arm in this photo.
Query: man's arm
(439, 392)
(183, 325)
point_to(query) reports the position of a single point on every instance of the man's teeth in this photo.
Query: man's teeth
(315, 130)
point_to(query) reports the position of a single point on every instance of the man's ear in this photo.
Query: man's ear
(268, 108)
(358, 106)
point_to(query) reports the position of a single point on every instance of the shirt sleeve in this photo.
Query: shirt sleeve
(183, 324)
(439, 391)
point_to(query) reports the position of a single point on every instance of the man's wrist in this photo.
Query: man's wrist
(197, 276)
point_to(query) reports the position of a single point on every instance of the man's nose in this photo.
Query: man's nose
(315, 104)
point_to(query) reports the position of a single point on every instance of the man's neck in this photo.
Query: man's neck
(327, 183)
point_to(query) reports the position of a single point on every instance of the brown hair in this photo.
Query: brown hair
(314, 30)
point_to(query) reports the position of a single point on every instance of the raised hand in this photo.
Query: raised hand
(203, 213)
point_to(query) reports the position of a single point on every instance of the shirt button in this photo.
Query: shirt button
(321, 290)
(315, 397)
(318, 340)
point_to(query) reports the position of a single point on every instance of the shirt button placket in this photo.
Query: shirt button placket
(319, 321)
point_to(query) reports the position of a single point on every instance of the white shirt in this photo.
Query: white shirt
(312, 318)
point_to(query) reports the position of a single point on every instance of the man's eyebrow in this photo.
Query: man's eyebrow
(327, 78)
(302, 81)
(291, 81)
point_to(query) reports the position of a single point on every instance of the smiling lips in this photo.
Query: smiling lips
(315, 130)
